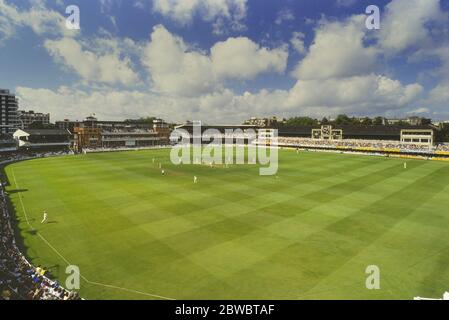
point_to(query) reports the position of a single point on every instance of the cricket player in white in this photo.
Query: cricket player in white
(45, 217)
(195, 179)
(405, 165)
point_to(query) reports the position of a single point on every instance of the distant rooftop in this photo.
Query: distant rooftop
(46, 132)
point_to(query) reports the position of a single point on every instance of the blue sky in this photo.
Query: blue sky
(226, 60)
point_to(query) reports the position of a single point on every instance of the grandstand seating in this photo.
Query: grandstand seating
(19, 279)
(363, 145)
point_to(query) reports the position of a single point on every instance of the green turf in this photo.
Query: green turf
(308, 233)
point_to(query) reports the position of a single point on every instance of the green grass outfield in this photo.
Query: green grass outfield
(308, 233)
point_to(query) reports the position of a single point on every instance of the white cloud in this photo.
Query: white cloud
(439, 96)
(419, 111)
(346, 3)
(39, 18)
(177, 68)
(220, 12)
(108, 103)
(297, 42)
(364, 95)
(107, 66)
(139, 4)
(369, 94)
(437, 101)
(338, 51)
(284, 15)
(241, 58)
(405, 24)
(336, 75)
(76, 104)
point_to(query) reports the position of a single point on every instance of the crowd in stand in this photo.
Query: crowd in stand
(18, 278)
(373, 145)
(442, 148)
(111, 149)
(18, 156)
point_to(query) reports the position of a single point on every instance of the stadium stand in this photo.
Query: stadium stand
(7, 144)
(19, 279)
(361, 145)
(43, 139)
(405, 141)
(362, 132)
(116, 149)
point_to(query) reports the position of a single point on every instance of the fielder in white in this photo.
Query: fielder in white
(195, 179)
(45, 217)
(405, 165)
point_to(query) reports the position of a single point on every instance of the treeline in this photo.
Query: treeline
(341, 119)
(442, 135)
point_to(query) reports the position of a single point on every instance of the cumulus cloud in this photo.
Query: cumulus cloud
(346, 3)
(369, 94)
(338, 51)
(241, 58)
(109, 103)
(364, 95)
(297, 42)
(107, 67)
(177, 68)
(419, 111)
(39, 18)
(437, 101)
(284, 15)
(336, 75)
(75, 103)
(220, 12)
(406, 24)
(438, 98)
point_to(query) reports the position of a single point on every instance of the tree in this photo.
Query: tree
(367, 121)
(301, 121)
(148, 120)
(402, 123)
(378, 121)
(343, 119)
(443, 134)
(40, 125)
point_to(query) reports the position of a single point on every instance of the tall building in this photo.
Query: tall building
(8, 112)
(27, 118)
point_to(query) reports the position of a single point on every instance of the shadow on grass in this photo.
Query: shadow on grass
(14, 219)
(17, 191)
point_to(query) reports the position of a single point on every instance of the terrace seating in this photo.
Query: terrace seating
(363, 145)
(19, 280)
